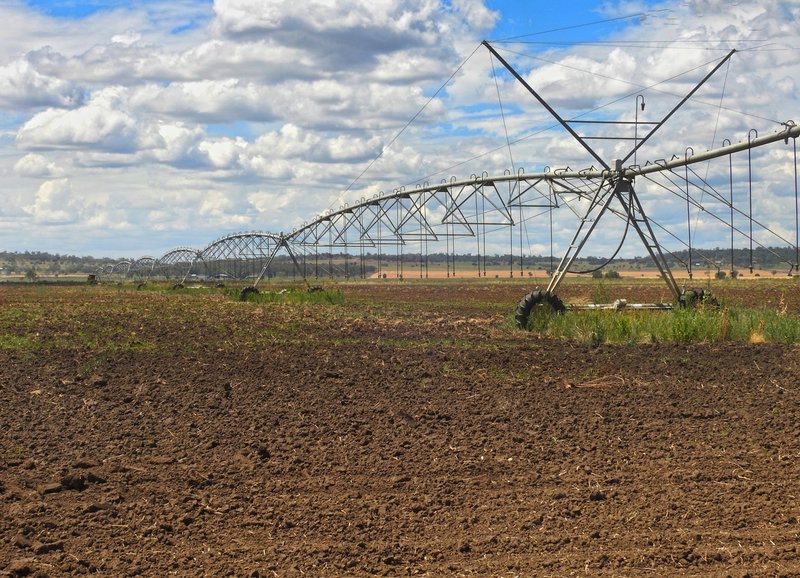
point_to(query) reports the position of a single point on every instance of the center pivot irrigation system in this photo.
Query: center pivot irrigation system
(430, 217)
(616, 184)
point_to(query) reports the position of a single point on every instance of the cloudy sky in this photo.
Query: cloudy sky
(128, 128)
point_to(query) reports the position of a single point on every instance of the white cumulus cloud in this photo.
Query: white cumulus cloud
(102, 123)
(23, 87)
(55, 203)
(36, 165)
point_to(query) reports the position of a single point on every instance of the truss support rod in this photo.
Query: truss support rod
(680, 104)
(294, 259)
(636, 216)
(281, 244)
(641, 223)
(189, 270)
(544, 104)
(602, 198)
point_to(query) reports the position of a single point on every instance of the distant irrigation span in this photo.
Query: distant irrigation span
(515, 210)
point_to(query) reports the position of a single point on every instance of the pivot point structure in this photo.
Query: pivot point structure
(617, 184)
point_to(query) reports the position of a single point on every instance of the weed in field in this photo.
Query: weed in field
(724, 325)
(601, 294)
(90, 365)
(686, 326)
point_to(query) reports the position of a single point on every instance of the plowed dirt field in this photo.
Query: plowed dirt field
(409, 430)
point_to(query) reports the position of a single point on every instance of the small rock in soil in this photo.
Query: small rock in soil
(21, 541)
(96, 507)
(71, 482)
(21, 567)
(39, 548)
(50, 488)
(80, 481)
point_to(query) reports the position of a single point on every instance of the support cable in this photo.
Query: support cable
(730, 182)
(796, 212)
(640, 88)
(716, 195)
(513, 168)
(688, 216)
(714, 136)
(717, 217)
(637, 15)
(405, 127)
(750, 195)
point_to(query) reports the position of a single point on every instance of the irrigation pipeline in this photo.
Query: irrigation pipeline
(790, 131)
(375, 214)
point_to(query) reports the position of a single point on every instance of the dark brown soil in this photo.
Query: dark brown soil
(407, 432)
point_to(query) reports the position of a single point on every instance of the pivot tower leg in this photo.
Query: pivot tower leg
(622, 190)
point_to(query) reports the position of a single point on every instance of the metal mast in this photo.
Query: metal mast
(616, 184)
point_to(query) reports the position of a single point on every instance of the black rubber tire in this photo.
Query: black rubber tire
(246, 292)
(691, 297)
(695, 297)
(536, 299)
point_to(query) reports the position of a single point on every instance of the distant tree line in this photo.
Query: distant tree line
(772, 258)
(38, 262)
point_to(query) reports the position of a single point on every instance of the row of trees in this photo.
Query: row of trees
(15, 263)
(34, 263)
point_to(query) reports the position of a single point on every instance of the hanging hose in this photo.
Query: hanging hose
(610, 259)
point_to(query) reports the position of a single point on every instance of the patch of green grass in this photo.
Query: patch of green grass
(294, 296)
(25, 316)
(701, 325)
(16, 342)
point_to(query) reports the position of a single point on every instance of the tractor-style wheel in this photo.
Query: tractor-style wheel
(246, 292)
(694, 297)
(536, 299)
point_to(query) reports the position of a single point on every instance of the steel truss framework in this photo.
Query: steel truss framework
(421, 220)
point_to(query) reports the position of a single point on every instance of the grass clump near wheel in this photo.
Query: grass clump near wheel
(536, 302)
(246, 292)
(695, 297)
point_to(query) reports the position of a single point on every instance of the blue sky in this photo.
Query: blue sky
(73, 9)
(520, 17)
(173, 122)
(76, 9)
